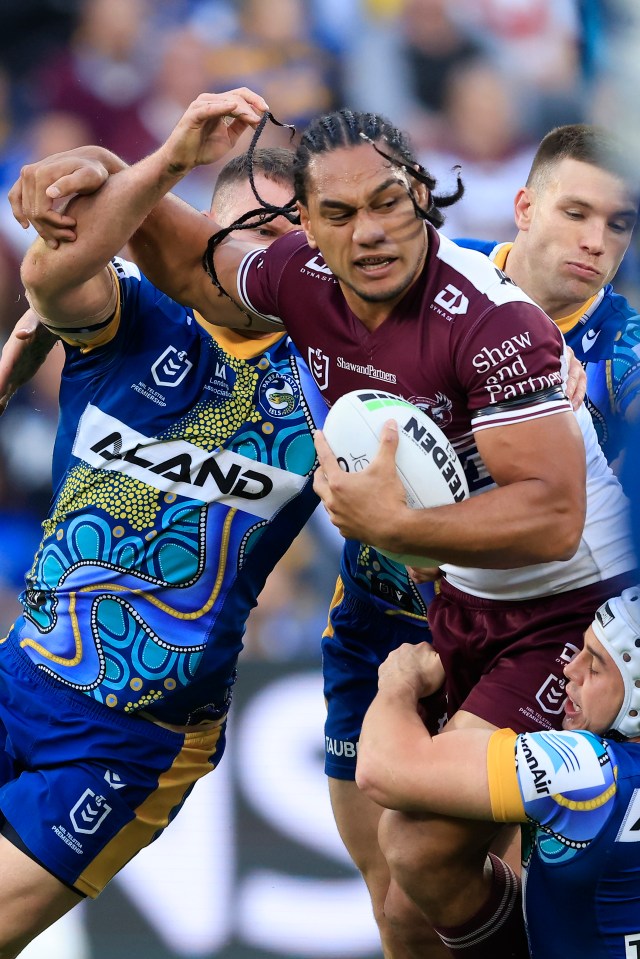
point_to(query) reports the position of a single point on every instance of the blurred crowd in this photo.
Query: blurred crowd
(476, 82)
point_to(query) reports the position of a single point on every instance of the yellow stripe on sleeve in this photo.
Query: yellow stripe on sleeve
(109, 331)
(506, 801)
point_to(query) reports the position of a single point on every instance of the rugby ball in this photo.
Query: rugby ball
(427, 464)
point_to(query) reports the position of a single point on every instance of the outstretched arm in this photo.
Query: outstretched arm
(33, 200)
(167, 247)
(171, 238)
(70, 285)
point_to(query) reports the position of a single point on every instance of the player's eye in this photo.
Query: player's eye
(620, 226)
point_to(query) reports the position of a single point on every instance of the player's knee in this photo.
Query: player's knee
(402, 915)
(429, 853)
(407, 933)
(404, 844)
(12, 944)
(375, 873)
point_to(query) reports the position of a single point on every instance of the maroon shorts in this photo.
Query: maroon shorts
(504, 660)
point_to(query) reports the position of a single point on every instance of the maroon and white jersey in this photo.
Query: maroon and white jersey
(464, 344)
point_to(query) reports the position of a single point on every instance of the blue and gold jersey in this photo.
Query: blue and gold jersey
(580, 795)
(605, 336)
(374, 578)
(182, 472)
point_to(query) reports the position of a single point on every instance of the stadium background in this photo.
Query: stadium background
(253, 867)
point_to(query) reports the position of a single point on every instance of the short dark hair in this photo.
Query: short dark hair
(583, 142)
(350, 128)
(274, 163)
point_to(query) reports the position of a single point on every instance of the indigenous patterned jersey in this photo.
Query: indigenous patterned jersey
(605, 336)
(581, 797)
(471, 349)
(371, 576)
(182, 472)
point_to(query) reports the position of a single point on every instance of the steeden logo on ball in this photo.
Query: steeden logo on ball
(427, 464)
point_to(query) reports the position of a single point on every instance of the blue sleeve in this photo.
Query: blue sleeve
(625, 365)
(482, 246)
(567, 781)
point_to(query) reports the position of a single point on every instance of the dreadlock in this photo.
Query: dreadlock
(347, 128)
(264, 213)
(342, 128)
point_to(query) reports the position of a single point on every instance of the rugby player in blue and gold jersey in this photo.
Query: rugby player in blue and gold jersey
(576, 791)
(182, 472)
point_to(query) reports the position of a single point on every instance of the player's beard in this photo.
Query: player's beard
(385, 296)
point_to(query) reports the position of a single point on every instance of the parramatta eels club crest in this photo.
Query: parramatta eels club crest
(279, 394)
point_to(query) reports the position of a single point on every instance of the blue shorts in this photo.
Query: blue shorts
(84, 788)
(358, 638)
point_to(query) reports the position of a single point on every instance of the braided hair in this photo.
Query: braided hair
(342, 128)
(348, 128)
(264, 213)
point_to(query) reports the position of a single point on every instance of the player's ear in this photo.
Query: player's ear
(523, 206)
(421, 194)
(305, 223)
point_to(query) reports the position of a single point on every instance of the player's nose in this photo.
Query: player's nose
(367, 229)
(593, 237)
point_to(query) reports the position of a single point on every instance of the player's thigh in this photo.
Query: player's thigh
(433, 846)
(357, 818)
(31, 899)
(91, 787)
(358, 639)
(505, 661)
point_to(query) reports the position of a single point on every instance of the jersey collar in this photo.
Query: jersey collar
(500, 254)
(234, 343)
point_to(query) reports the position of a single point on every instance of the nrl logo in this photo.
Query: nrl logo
(171, 368)
(89, 813)
(319, 366)
(551, 695)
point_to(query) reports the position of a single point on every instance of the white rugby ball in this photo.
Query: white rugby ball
(427, 464)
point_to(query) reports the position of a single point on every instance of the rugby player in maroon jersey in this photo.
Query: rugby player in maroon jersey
(375, 297)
